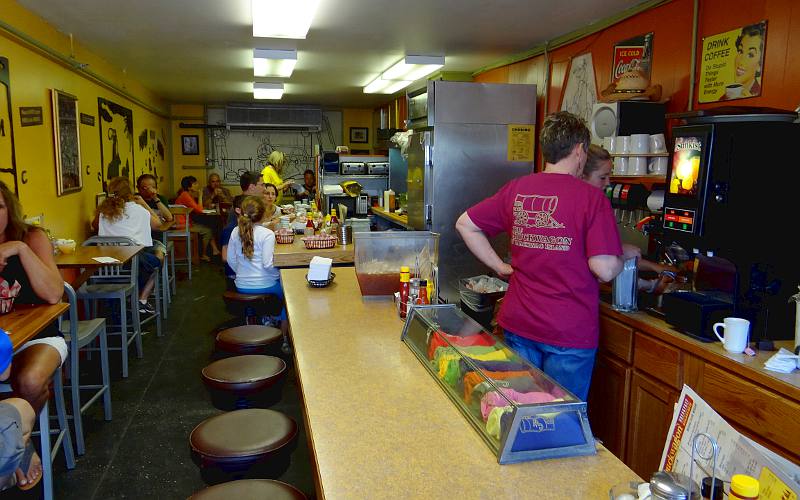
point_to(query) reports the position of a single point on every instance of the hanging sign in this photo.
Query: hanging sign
(30, 115)
(733, 64)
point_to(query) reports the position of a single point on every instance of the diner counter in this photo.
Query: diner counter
(401, 220)
(749, 367)
(295, 254)
(380, 427)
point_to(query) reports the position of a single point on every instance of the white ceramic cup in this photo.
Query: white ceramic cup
(640, 143)
(657, 143)
(734, 91)
(622, 144)
(658, 165)
(736, 334)
(620, 165)
(608, 143)
(637, 165)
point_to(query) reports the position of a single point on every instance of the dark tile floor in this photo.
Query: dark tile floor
(144, 452)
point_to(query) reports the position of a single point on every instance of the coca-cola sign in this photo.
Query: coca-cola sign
(634, 53)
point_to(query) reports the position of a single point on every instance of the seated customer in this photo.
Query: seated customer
(28, 259)
(250, 253)
(148, 190)
(214, 193)
(123, 214)
(207, 225)
(19, 462)
(225, 239)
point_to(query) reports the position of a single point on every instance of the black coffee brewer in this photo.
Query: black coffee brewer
(732, 174)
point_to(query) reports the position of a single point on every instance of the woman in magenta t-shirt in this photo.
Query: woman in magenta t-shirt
(563, 239)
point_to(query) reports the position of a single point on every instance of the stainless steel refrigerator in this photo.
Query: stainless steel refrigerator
(457, 156)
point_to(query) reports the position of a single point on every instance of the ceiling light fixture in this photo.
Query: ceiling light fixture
(273, 62)
(404, 73)
(263, 90)
(282, 18)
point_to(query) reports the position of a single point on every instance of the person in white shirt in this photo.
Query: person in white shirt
(250, 253)
(124, 214)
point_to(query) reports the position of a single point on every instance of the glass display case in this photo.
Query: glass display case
(521, 413)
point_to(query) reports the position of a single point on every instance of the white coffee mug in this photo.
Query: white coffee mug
(657, 143)
(736, 334)
(734, 91)
(637, 165)
(640, 143)
(608, 143)
(658, 165)
(622, 144)
(620, 165)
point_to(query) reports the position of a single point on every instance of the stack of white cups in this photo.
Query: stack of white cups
(640, 145)
(622, 146)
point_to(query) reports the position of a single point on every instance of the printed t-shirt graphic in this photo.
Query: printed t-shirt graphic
(555, 223)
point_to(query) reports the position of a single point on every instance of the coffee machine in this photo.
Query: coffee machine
(732, 174)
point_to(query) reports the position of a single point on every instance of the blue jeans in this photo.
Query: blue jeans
(569, 366)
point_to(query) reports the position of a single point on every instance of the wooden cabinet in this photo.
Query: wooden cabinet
(608, 402)
(650, 414)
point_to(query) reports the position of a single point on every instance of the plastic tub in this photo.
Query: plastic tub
(379, 256)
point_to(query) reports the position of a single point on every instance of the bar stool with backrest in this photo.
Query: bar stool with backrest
(119, 284)
(181, 213)
(80, 335)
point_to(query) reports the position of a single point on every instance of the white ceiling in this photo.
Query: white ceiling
(192, 51)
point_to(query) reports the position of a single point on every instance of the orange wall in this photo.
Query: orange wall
(672, 25)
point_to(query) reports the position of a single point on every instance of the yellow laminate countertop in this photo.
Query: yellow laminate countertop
(380, 427)
(393, 217)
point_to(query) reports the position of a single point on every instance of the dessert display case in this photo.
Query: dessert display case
(521, 413)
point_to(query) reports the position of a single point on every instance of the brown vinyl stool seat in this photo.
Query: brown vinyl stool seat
(237, 440)
(250, 488)
(251, 305)
(242, 376)
(248, 339)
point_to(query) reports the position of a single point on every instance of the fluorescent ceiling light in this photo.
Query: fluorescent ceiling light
(270, 62)
(413, 68)
(381, 86)
(267, 90)
(282, 18)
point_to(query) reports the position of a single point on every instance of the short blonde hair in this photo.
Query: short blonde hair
(276, 159)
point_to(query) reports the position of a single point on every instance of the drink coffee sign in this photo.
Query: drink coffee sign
(632, 54)
(733, 64)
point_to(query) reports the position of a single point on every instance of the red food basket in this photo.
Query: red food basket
(319, 243)
(284, 238)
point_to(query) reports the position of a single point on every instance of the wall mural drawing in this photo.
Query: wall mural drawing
(149, 146)
(116, 140)
(8, 161)
(580, 91)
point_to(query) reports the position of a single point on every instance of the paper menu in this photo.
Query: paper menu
(106, 260)
(737, 454)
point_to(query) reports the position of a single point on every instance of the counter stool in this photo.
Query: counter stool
(248, 339)
(251, 306)
(250, 488)
(252, 375)
(233, 443)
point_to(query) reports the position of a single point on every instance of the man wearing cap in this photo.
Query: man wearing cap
(16, 422)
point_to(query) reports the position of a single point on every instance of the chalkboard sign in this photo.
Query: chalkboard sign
(67, 142)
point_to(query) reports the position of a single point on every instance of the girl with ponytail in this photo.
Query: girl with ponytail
(250, 252)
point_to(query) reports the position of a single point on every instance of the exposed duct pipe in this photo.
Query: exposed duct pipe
(693, 65)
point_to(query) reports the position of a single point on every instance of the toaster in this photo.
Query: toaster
(378, 167)
(352, 168)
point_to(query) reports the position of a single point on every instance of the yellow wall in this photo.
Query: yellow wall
(357, 117)
(186, 113)
(33, 74)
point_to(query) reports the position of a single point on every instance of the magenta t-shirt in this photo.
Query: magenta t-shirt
(555, 223)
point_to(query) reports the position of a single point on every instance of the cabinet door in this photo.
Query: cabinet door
(651, 408)
(608, 402)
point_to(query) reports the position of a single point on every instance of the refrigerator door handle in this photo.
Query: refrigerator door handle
(428, 214)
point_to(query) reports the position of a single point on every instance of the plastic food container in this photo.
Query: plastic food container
(379, 256)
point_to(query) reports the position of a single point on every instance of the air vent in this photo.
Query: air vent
(273, 117)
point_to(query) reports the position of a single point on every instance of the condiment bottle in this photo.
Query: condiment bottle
(430, 290)
(708, 492)
(309, 230)
(405, 286)
(423, 293)
(334, 222)
(326, 227)
(743, 487)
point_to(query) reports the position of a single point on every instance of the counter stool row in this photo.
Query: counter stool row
(254, 441)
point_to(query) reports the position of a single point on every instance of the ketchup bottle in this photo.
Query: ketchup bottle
(309, 230)
(405, 277)
(423, 293)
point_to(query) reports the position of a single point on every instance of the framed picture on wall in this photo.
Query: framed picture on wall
(190, 144)
(67, 142)
(359, 134)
